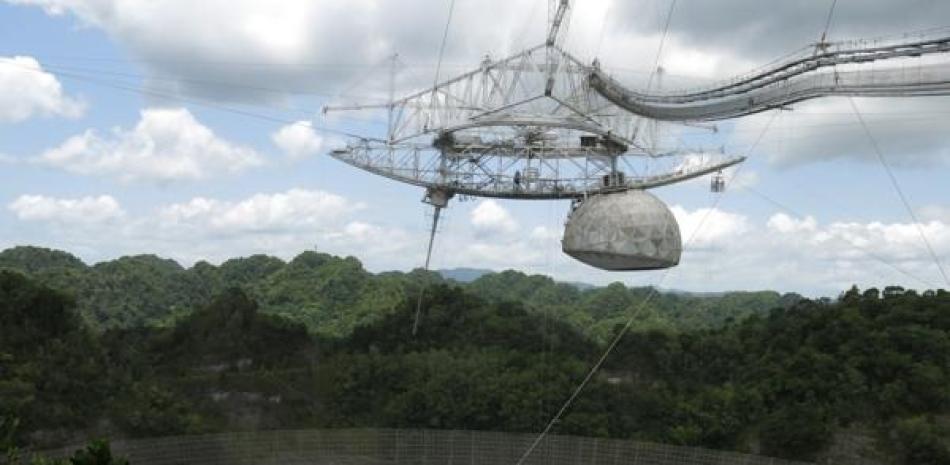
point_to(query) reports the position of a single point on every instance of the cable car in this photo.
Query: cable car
(718, 183)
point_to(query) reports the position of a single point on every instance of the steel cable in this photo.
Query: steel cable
(643, 303)
(900, 191)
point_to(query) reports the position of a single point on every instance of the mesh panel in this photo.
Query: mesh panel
(411, 447)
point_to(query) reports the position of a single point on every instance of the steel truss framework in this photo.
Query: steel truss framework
(540, 124)
(526, 127)
(536, 172)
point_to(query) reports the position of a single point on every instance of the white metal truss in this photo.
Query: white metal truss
(517, 87)
(519, 171)
(542, 125)
(528, 126)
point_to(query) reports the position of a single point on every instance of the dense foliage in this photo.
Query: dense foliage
(97, 452)
(501, 353)
(331, 296)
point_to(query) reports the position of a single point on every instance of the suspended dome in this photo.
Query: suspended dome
(625, 231)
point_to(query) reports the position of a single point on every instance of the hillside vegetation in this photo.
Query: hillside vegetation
(331, 296)
(796, 381)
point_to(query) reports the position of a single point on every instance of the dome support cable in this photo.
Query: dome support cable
(897, 188)
(640, 307)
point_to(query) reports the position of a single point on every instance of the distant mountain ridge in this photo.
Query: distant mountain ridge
(463, 275)
(468, 275)
(332, 295)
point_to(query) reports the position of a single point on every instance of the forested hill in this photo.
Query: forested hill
(865, 378)
(332, 295)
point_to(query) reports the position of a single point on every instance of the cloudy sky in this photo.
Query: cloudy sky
(193, 130)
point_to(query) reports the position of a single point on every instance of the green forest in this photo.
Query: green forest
(140, 347)
(332, 296)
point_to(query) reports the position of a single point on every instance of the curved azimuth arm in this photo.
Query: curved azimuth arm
(545, 82)
(902, 68)
(541, 124)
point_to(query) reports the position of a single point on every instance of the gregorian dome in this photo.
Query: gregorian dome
(623, 231)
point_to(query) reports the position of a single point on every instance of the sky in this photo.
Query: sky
(193, 130)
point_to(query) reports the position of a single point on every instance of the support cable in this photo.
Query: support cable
(659, 50)
(520, 38)
(179, 98)
(626, 327)
(438, 209)
(898, 190)
(445, 36)
(824, 34)
(603, 29)
(656, 64)
(422, 290)
(54, 68)
(822, 42)
(857, 247)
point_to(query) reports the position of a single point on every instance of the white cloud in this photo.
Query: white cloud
(281, 223)
(26, 90)
(829, 256)
(363, 232)
(782, 252)
(166, 145)
(81, 211)
(897, 242)
(296, 209)
(741, 178)
(629, 56)
(935, 212)
(767, 30)
(909, 132)
(709, 228)
(489, 217)
(785, 224)
(701, 36)
(248, 49)
(299, 140)
(368, 241)
(499, 255)
(730, 251)
(544, 233)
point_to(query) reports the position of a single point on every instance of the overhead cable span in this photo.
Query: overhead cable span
(907, 69)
